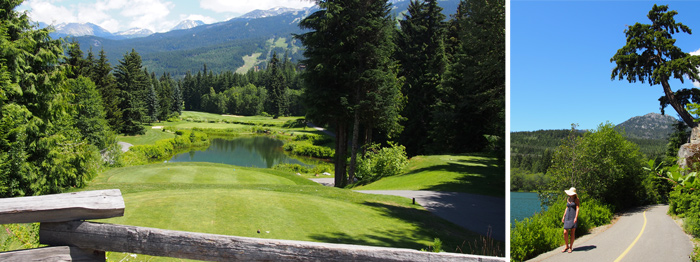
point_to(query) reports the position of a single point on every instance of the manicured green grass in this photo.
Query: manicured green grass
(198, 173)
(456, 173)
(215, 198)
(151, 136)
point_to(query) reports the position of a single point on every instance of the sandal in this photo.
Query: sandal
(565, 249)
(570, 250)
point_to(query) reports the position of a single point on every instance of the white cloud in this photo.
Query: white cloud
(205, 19)
(244, 6)
(45, 11)
(696, 52)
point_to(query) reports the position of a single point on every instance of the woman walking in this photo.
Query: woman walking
(570, 218)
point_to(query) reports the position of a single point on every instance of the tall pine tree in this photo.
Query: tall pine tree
(422, 58)
(132, 84)
(348, 53)
(471, 110)
(101, 75)
(276, 88)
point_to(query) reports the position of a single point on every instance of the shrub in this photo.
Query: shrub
(543, 231)
(381, 162)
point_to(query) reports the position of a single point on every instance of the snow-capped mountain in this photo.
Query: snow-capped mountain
(134, 33)
(267, 13)
(77, 29)
(187, 24)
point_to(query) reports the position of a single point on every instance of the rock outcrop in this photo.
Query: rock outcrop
(689, 153)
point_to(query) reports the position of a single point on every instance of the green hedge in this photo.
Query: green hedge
(165, 148)
(543, 232)
(305, 149)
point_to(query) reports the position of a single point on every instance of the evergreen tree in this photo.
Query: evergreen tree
(277, 104)
(89, 113)
(650, 54)
(78, 66)
(101, 75)
(132, 84)
(178, 103)
(41, 151)
(348, 56)
(422, 59)
(152, 103)
(166, 96)
(471, 106)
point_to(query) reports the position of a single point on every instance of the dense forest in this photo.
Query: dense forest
(363, 75)
(438, 86)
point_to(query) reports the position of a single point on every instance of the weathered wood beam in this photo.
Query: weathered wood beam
(199, 246)
(62, 207)
(51, 254)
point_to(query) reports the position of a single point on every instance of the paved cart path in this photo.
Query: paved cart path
(485, 215)
(645, 234)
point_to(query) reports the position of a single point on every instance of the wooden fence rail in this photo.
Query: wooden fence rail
(74, 240)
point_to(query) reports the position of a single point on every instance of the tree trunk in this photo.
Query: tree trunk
(340, 152)
(355, 138)
(687, 118)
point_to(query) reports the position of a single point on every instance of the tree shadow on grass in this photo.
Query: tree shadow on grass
(480, 176)
(429, 227)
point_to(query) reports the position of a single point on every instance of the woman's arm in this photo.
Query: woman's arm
(577, 207)
(562, 217)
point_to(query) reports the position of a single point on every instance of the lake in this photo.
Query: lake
(523, 205)
(247, 151)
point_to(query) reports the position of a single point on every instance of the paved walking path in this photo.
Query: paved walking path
(661, 239)
(320, 129)
(125, 146)
(485, 215)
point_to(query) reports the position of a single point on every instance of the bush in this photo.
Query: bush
(381, 162)
(543, 231)
(141, 154)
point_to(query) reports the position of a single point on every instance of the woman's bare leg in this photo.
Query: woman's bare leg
(573, 236)
(566, 240)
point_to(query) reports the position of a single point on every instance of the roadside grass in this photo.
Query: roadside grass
(151, 136)
(215, 198)
(473, 173)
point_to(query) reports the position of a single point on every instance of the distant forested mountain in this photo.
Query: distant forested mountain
(532, 150)
(652, 126)
(221, 46)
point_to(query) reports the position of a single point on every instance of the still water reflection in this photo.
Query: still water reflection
(248, 151)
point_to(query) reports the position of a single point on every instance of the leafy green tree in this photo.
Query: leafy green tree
(132, 84)
(603, 165)
(422, 58)
(650, 55)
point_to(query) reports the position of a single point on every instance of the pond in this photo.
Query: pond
(248, 151)
(523, 205)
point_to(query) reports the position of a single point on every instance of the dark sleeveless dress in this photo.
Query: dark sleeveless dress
(570, 215)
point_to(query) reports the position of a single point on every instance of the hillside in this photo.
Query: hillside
(649, 126)
(222, 46)
(531, 150)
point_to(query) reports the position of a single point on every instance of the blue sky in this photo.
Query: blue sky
(560, 62)
(156, 15)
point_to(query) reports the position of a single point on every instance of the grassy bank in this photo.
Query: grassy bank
(478, 174)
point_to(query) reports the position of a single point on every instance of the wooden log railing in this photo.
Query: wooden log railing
(72, 239)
